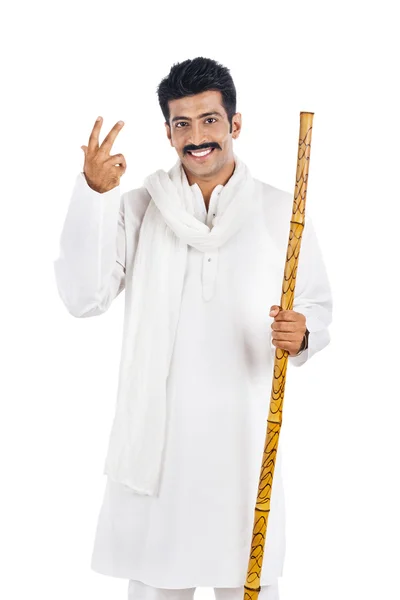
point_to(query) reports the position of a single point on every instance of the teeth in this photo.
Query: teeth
(203, 153)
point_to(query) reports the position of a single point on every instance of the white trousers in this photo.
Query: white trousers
(140, 591)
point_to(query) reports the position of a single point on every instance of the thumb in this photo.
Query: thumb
(84, 148)
(274, 310)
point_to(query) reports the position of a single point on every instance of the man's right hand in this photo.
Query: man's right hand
(101, 170)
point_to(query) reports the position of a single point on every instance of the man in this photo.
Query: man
(200, 252)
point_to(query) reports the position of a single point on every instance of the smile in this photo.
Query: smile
(201, 154)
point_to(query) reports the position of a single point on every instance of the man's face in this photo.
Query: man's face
(200, 122)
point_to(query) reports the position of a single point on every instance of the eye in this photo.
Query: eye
(177, 125)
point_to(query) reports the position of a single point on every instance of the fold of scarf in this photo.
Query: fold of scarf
(152, 304)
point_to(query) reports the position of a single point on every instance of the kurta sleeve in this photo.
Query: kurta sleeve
(90, 268)
(313, 297)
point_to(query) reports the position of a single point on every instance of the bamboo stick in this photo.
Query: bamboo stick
(252, 585)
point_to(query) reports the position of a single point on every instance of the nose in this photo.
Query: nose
(198, 135)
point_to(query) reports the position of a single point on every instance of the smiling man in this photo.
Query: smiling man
(201, 130)
(200, 252)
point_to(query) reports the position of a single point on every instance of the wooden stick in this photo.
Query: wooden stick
(252, 586)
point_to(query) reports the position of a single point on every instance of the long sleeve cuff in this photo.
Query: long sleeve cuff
(318, 338)
(88, 247)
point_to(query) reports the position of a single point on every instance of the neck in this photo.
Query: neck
(207, 184)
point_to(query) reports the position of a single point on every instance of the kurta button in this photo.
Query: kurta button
(209, 259)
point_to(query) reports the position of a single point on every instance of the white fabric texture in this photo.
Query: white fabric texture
(140, 591)
(137, 438)
(197, 531)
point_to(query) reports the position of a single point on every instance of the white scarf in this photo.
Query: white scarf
(152, 305)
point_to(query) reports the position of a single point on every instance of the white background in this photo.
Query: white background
(63, 65)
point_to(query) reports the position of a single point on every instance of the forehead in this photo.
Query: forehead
(191, 106)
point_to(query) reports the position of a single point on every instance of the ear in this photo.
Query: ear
(168, 131)
(236, 125)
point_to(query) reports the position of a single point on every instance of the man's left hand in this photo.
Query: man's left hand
(288, 329)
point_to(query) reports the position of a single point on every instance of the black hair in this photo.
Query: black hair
(194, 76)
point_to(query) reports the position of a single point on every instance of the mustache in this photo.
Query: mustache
(202, 147)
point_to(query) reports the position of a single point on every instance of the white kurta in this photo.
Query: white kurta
(197, 532)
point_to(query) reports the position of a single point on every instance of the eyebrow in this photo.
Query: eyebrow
(206, 114)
